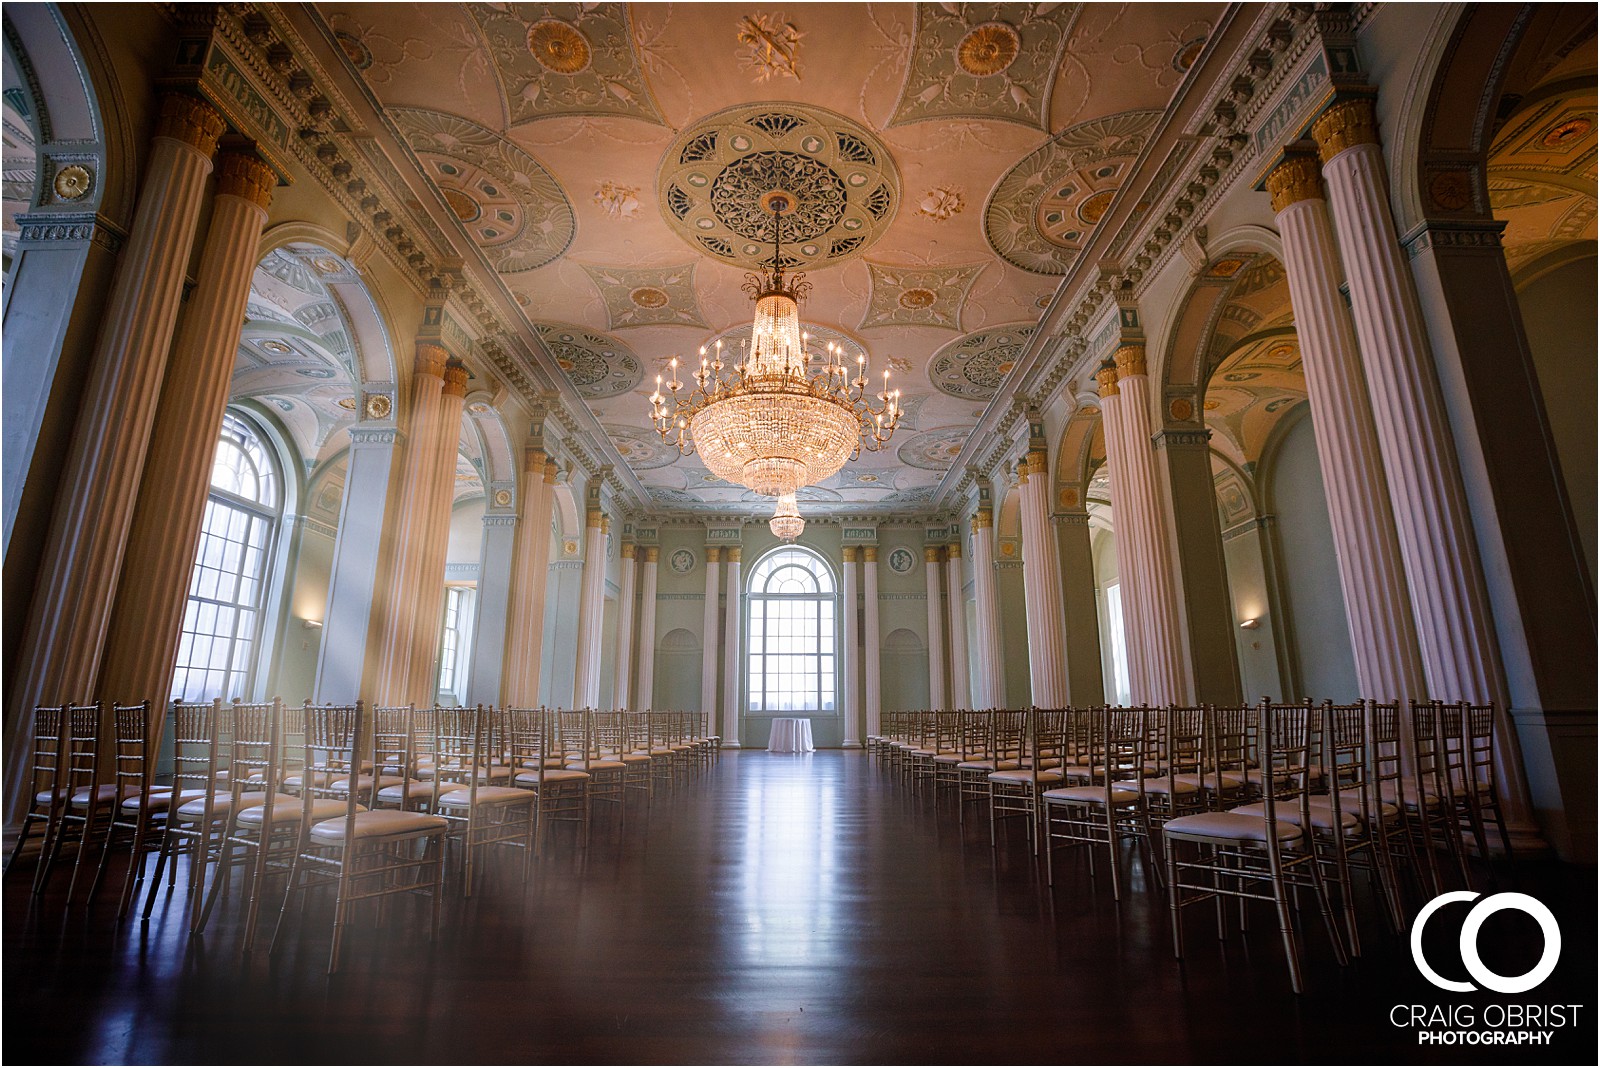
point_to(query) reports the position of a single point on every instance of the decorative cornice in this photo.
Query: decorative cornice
(499, 519)
(372, 435)
(1181, 439)
(316, 526)
(37, 228)
(1476, 236)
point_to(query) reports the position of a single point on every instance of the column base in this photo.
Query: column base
(732, 745)
(849, 743)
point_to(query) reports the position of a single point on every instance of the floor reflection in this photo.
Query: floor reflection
(789, 863)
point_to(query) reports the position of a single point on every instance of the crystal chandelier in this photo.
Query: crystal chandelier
(781, 416)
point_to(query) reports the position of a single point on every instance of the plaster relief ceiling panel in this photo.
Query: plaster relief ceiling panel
(631, 147)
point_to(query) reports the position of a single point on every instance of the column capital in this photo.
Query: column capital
(455, 379)
(732, 554)
(533, 458)
(190, 120)
(1297, 178)
(628, 550)
(431, 359)
(605, 524)
(1130, 361)
(1346, 124)
(652, 553)
(713, 554)
(849, 553)
(594, 519)
(869, 554)
(930, 553)
(552, 471)
(1022, 472)
(1106, 375)
(246, 176)
(983, 519)
(953, 550)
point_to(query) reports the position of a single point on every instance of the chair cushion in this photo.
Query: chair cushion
(1090, 795)
(1226, 826)
(382, 823)
(364, 782)
(987, 765)
(552, 778)
(1289, 812)
(104, 795)
(161, 800)
(488, 795)
(1350, 801)
(1164, 786)
(1026, 775)
(598, 765)
(222, 804)
(405, 791)
(322, 808)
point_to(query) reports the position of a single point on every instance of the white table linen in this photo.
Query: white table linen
(790, 736)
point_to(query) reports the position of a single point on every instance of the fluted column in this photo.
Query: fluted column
(440, 499)
(1085, 680)
(955, 584)
(531, 563)
(1383, 634)
(645, 691)
(1450, 602)
(989, 683)
(143, 639)
(872, 676)
(1041, 587)
(1141, 535)
(401, 584)
(850, 669)
(1135, 614)
(931, 569)
(59, 654)
(591, 613)
(708, 641)
(625, 592)
(733, 647)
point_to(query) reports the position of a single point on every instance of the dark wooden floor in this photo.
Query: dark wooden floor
(783, 909)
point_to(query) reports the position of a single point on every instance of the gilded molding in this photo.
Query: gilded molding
(246, 176)
(1345, 124)
(1297, 178)
(1038, 462)
(190, 120)
(1130, 361)
(455, 379)
(849, 554)
(1107, 377)
(605, 524)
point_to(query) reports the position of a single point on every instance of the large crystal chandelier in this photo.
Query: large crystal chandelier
(781, 416)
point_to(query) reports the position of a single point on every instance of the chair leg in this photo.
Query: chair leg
(219, 885)
(55, 832)
(105, 860)
(341, 908)
(22, 838)
(1111, 852)
(136, 866)
(161, 862)
(288, 892)
(1291, 948)
(1173, 903)
(258, 879)
(91, 814)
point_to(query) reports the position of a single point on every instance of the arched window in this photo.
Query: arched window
(792, 645)
(222, 620)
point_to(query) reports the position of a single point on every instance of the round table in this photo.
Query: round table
(790, 736)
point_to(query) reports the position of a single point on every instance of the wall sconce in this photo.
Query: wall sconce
(311, 624)
(1250, 624)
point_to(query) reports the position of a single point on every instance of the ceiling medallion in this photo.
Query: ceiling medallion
(347, 403)
(73, 182)
(649, 297)
(988, 49)
(785, 416)
(718, 179)
(379, 406)
(502, 498)
(558, 47)
(917, 298)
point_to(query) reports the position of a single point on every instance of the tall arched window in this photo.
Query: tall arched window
(222, 620)
(792, 644)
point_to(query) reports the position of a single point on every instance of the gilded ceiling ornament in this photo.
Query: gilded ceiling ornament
(643, 296)
(558, 47)
(600, 366)
(1566, 133)
(73, 182)
(771, 46)
(584, 64)
(347, 403)
(379, 406)
(618, 201)
(1181, 409)
(984, 61)
(918, 296)
(941, 202)
(643, 450)
(988, 49)
(973, 367)
(934, 450)
(1045, 209)
(502, 498)
(717, 179)
(508, 204)
(1451, 190)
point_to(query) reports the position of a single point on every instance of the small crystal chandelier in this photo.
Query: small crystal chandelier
(782, 417)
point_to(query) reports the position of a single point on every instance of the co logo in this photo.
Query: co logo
(1502, 984)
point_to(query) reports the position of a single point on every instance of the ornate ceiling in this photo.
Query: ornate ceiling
(608, 162)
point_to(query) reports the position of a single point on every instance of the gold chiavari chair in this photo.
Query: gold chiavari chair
(87, 798)
(46, 795)
(1482, 785)
(483, 815)
(635, 753)
(1015, 793)
(362, 854)
(974, 762)
(406, 772)
(582, 746)
(1261, 857)
(1438, 770)
(1107, 810)
(201, 742)
(559, 794)
(142, 805)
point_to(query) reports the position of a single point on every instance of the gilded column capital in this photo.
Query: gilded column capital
(455, 379)
(246, 176)
(1130, 361)
(1022, 472)
(1345, 124)
(1038, 462)
(594, 519)
(627, 550)
(431, 359)
(1297, 178)
(552, 471)
(982, 519)
(533, 461)
(652, 553)
(869, 554)
(953, 550)
(190, 120)
(930, 553)
(733, 554)
(849, 554)
(605, 524)
(1107, 377)
(713, 554)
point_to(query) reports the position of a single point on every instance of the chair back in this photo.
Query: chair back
(50, 743)
(253, 762)
(138, 740)
(1286, 739)
(199, 749)
(607, 734)
(1479, 744)
(1232, 748)
(1436, 759)
(332, 739)
(84, 728)
(1346, 763)
(1046, 727)
(1009, 734)
(394, 741)
(460, 749)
